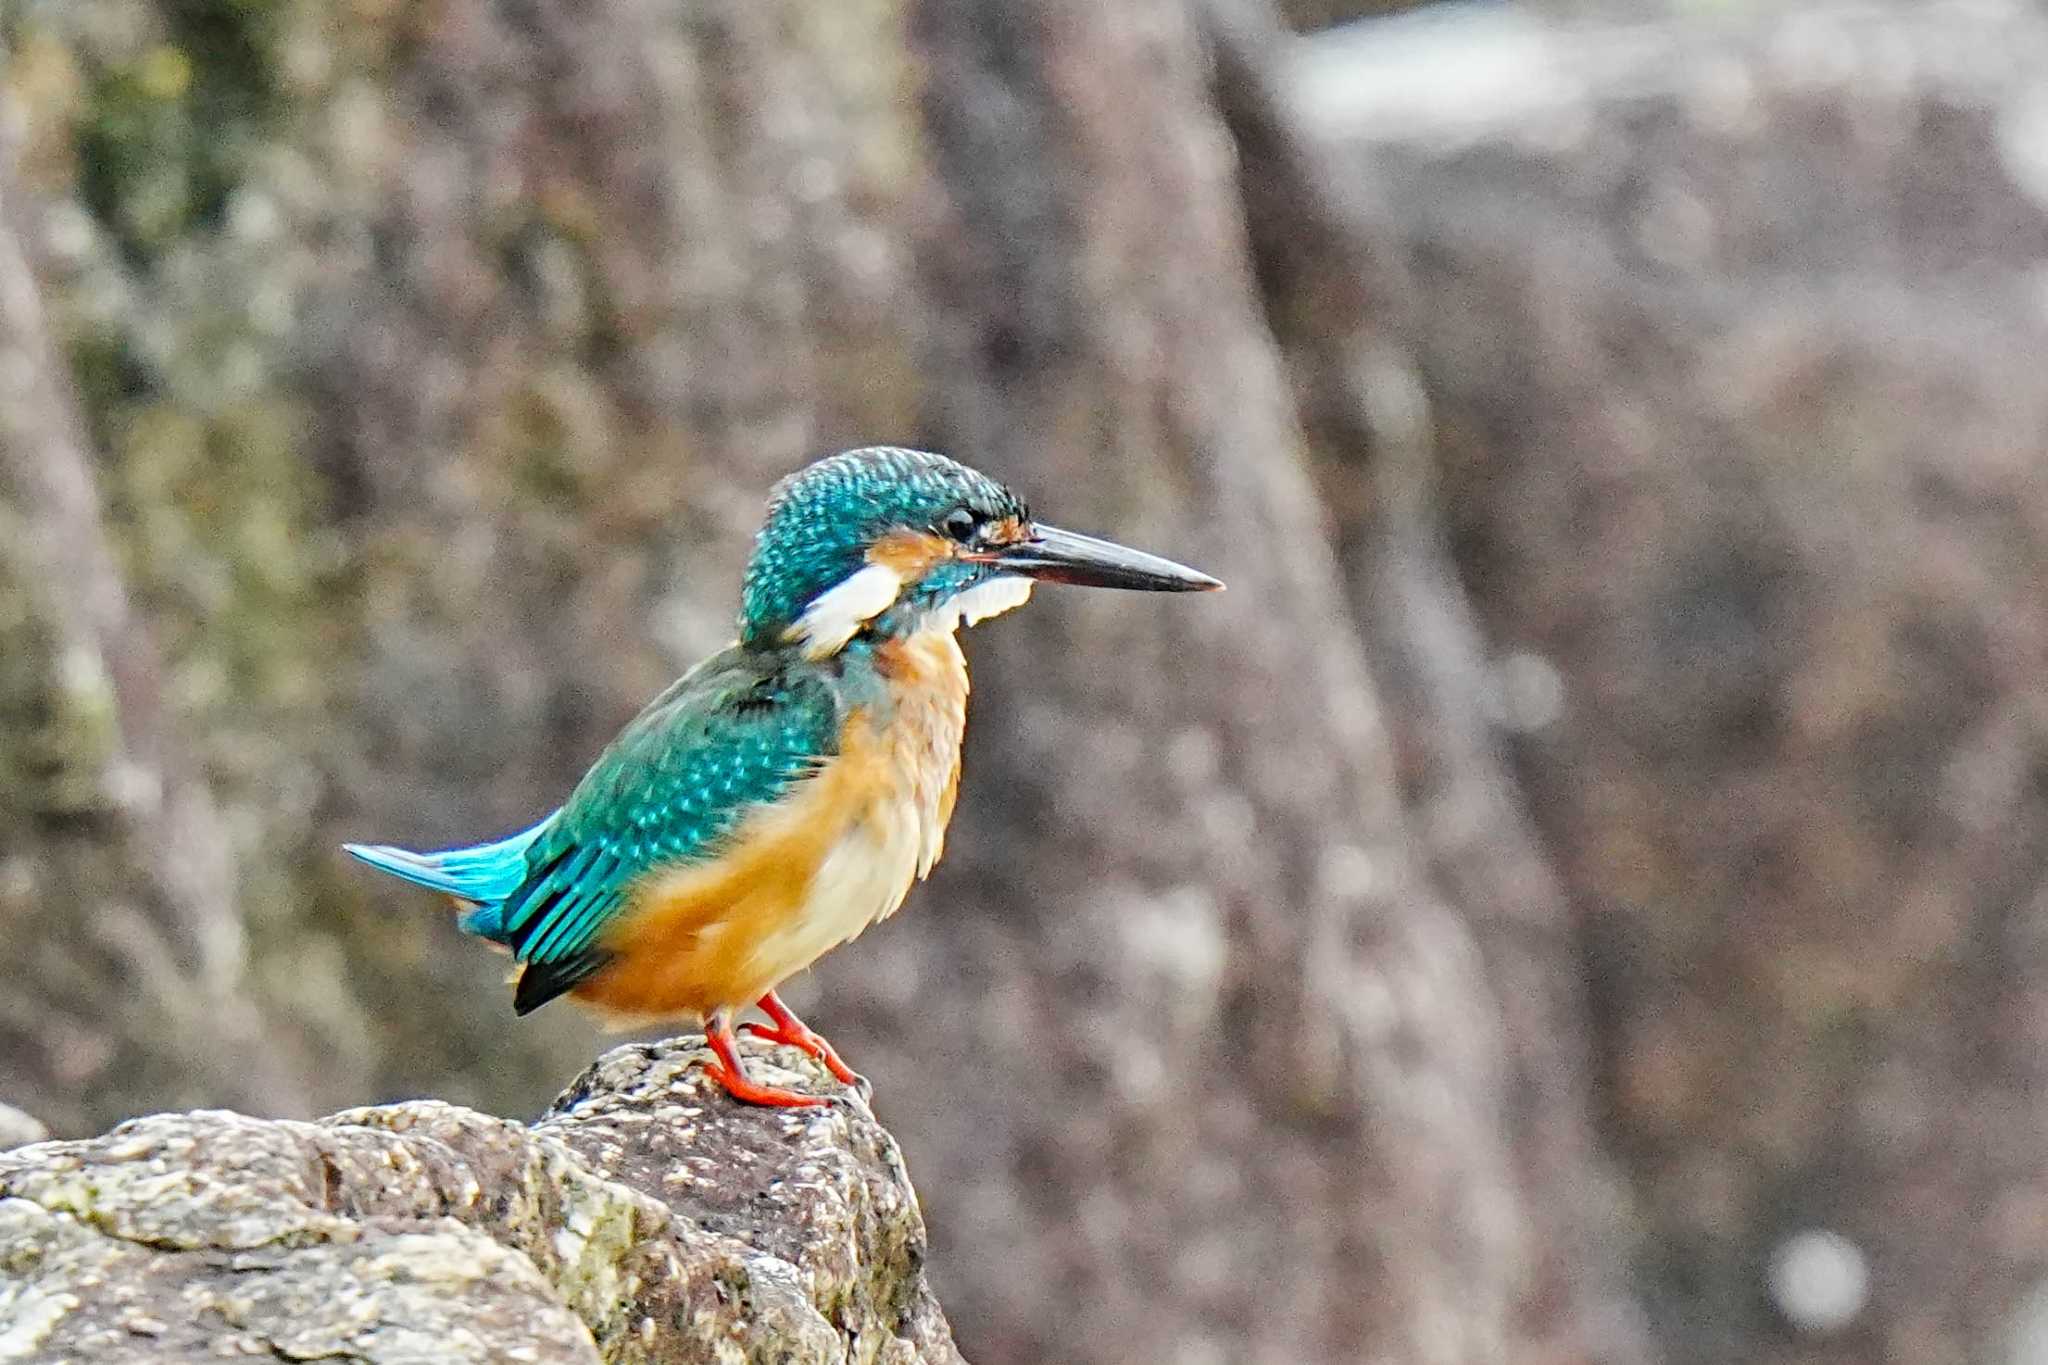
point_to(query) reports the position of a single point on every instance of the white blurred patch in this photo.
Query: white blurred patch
(1449, 73)
(991, 597)
(1173, 942)
(2023, 146)
(1346, 872)
(837, 614)
(2026, 1334)
(1528, 693)
(1820, 1280)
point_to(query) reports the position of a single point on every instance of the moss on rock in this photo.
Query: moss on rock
(646, 1219)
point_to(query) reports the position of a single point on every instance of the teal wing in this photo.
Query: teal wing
(726, 738)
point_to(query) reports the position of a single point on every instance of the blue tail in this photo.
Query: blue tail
(483, 873)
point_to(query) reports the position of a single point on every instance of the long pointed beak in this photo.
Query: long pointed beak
(1058, 556)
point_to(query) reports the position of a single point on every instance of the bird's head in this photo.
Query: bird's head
(898, 541)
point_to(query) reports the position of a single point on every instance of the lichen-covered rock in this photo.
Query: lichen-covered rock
(646, 1219)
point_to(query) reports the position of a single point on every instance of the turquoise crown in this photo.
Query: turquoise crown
(822, 519)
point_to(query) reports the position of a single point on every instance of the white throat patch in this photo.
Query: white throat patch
(990, 597)
(837, 614)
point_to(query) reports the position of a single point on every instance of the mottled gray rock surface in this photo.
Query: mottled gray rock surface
(644, 1218)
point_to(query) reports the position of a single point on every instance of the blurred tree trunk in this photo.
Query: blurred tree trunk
(439, 360)
(1341, 299)
(1732, 336)
(1206, 1059)
(125, 954)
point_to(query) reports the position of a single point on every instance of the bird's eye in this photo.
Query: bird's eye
(961, 524)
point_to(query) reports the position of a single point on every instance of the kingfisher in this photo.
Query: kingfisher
(784, 794)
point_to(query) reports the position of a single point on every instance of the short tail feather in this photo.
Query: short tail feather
(484, 874)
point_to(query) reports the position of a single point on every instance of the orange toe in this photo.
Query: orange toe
(751, 1092)
(812, 1043)
(729, 1071)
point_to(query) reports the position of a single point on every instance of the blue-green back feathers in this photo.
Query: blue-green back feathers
(735, 733)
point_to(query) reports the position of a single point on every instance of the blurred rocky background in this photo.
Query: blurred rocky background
(1581, 896)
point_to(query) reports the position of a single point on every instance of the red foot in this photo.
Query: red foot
(731, 1073)
(794, 1031)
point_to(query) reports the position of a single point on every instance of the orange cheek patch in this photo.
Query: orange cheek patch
(1008, 531)
(910, 554)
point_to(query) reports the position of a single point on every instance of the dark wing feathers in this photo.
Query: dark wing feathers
(540, 982)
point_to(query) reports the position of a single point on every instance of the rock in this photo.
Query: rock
(645, 1218)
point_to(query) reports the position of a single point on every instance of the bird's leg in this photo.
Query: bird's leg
(794, 1031)
(731, 1073)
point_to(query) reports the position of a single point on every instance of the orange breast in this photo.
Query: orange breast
(928, 676)
(801, 877)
